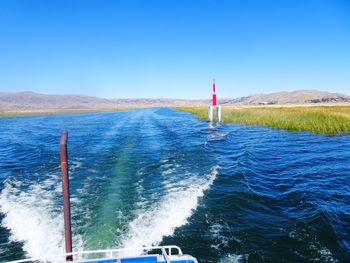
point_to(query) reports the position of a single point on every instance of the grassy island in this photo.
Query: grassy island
(317, 119)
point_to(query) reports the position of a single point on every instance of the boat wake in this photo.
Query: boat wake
(32, 216)
(171, 212)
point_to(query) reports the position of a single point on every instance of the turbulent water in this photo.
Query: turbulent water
(160, 176)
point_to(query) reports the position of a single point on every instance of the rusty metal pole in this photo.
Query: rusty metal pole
(65, 192)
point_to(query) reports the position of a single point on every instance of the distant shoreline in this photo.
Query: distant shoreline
(48, 103)
(43, 112)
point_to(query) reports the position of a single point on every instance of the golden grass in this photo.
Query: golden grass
(317, 119)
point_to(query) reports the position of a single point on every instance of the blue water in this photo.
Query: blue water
(160, 176)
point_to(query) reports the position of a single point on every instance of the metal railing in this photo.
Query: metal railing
(109, 253)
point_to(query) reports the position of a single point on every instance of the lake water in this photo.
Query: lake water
(160, 176)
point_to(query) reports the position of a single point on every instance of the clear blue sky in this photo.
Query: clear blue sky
(130, 48)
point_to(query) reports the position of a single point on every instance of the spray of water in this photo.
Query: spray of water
(33, 218)
(172, 211)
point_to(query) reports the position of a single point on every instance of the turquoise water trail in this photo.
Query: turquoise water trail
(160, 176)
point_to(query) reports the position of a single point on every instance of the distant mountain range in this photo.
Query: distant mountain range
(30, 100)
(293, 97)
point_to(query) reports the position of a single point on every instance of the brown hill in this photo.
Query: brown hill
(31, 100)
(293, 97)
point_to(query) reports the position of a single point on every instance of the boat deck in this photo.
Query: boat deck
(146, 259)
(131, 255)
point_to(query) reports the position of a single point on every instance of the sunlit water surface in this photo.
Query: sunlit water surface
(160, 176)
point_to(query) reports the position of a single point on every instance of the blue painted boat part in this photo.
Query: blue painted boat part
(167, 254)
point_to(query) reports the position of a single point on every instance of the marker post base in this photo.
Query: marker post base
(214, 113)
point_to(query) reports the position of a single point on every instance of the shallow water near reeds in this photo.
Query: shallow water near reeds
(161, 176)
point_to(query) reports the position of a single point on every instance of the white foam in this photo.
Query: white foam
(32, 218)
(172, 211)
(233, 258)
(217, 136)
(220, 239)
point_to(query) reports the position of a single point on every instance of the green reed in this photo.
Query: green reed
(317, 119)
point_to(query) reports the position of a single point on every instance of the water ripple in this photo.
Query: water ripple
(159, 176)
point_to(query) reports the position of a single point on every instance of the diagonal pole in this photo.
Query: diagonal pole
(65, 193)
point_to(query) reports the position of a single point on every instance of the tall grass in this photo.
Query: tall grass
(317, 119)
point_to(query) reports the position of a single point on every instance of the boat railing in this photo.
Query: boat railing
(108, 253)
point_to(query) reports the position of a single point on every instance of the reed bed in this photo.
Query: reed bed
(317, 119)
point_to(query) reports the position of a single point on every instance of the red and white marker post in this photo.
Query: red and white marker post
(214, 111)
